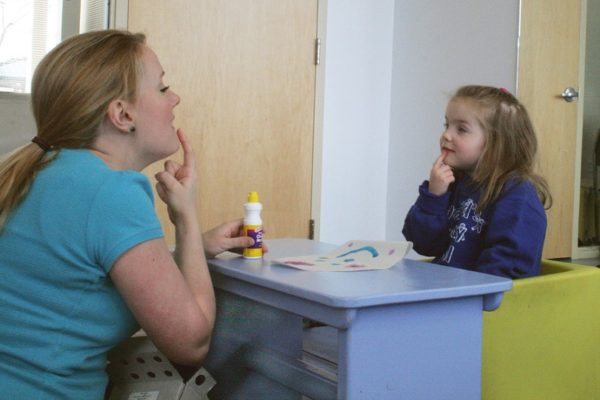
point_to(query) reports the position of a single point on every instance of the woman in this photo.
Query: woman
(83, 260)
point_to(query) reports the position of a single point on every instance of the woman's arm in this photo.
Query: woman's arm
(175, 309)
(172, 297)
(227, 236)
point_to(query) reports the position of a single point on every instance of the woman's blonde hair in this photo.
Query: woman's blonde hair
(70, 94)
(510, 146)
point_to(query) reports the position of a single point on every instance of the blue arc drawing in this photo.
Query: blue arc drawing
(369, 249)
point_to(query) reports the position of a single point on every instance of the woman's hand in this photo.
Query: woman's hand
(227, 236)
(176, 185)
(441, 176)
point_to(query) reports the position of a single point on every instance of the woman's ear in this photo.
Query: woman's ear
(121, 114)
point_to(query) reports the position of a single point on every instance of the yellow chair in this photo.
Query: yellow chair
(544, 340)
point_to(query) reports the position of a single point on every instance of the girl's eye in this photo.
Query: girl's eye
(462, 130)
(446, 125)
(164, 90)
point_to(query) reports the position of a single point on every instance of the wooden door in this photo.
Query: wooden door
(245, 71)
(548, 63)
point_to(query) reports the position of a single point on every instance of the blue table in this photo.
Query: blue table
(409, 332)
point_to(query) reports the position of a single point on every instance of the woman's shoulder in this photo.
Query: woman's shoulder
(80, 170)
(84, 163)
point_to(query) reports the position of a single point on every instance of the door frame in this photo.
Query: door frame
(588, 251)
(118, 14)
(317, 164)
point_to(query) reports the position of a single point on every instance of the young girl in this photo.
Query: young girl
(483, 206)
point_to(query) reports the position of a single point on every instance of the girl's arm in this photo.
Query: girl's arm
(426, 224)
(515, 234)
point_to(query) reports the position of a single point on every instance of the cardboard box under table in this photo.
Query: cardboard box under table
(138, 371)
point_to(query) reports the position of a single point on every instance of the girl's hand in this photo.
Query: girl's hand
(176, 185)
(441, 175)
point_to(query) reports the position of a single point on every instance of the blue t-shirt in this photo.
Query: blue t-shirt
(59, 311)
(505, 239)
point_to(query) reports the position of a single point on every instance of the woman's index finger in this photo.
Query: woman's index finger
(189, 159)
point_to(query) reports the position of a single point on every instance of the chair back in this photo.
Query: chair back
(544, 340)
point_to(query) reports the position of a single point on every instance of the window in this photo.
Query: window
(30, 28)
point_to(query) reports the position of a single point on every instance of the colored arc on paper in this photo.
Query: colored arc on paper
(370, 249)
(299, 263)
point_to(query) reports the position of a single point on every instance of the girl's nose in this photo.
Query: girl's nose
(446, 135)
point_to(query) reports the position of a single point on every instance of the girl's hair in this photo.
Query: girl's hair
(70, 93)
(510, 146)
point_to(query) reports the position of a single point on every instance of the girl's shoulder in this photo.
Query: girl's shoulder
(521, 192)
(519, 187)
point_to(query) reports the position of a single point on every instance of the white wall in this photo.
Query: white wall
(439, 45)
(17, 126)
(358, 78)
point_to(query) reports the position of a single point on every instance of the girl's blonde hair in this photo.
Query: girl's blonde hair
(510, 146)
(70, 93)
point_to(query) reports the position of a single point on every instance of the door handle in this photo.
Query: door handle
(570, 94)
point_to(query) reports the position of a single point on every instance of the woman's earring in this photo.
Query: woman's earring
(132, 129)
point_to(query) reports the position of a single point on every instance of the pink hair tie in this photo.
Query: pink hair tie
(504, 90)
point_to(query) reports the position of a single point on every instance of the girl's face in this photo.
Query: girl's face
(156, 135)
(463, 138)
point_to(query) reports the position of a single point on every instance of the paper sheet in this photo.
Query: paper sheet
(355, 255)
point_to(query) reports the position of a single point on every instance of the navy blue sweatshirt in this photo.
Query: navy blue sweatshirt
(505, 239)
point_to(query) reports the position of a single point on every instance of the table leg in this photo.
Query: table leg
(417, 351)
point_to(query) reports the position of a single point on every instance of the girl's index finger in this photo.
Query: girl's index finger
(440, 160)
(444, 154)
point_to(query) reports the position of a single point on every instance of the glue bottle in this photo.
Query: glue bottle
(253, 226)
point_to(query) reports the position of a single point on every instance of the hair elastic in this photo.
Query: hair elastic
(42, 143)
(504, 90)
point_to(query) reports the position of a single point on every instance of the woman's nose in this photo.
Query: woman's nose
(176, 99)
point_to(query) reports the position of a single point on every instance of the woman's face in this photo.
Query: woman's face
(155, 134)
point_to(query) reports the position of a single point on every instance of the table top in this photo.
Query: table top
(407, 281)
